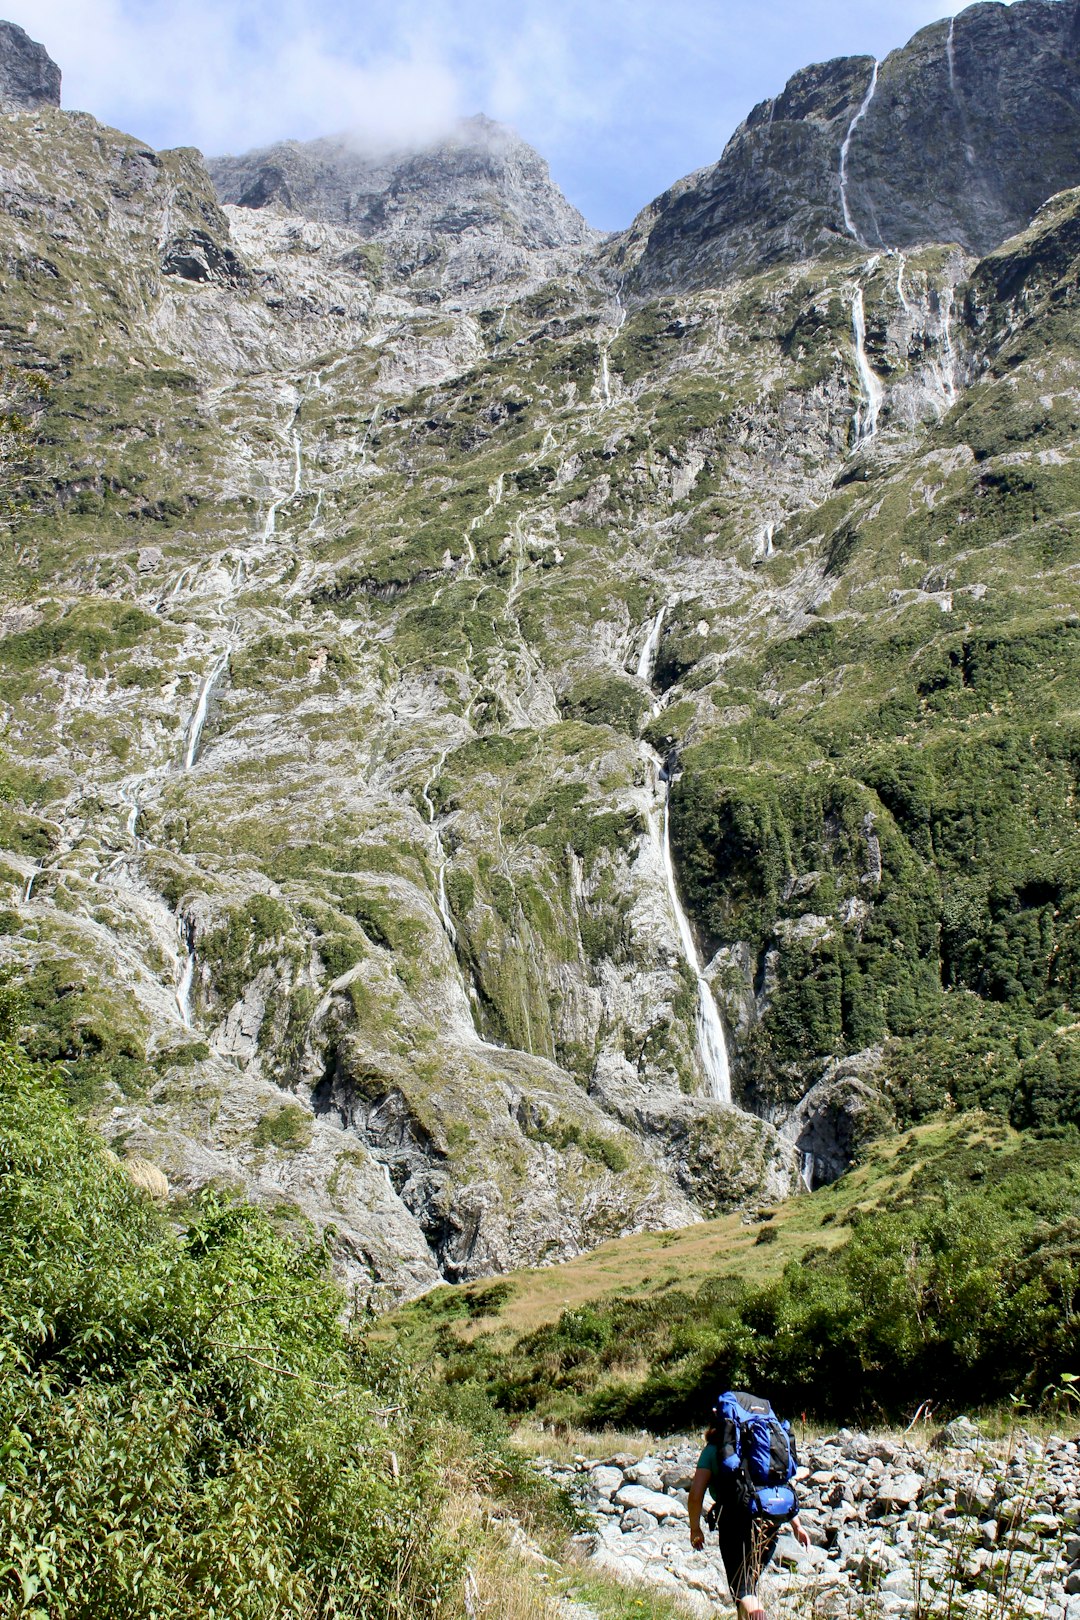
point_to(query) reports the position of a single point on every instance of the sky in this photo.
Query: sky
(622, 97)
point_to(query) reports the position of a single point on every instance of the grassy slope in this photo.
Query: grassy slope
(648, 1263)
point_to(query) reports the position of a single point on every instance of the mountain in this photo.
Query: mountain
(496, 759)
(466, 214)
(28, 75)
(957, 137)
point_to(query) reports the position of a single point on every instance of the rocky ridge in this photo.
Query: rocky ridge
(959, 136)
(475, 211)
(890, 1525)
(28, 75)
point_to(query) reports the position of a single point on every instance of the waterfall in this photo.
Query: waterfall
(866, 412)
(948, 376)
(198, 718)
(763, 547)
(954, 89)
(605, 374)
(900, 293)
(129, 797)
(712, 1047)
(647, 662)
(298, 470)
(849, 223)
(28, 891)
(807, 1171)
(187, 975)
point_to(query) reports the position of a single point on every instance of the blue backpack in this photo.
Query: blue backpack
(764, 1460)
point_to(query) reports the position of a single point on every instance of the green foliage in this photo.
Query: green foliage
(967, 1279)
(251, 937)
(189, 1431)
(606, 700)
(75, 1020)
(288, 1128)
(85, 632)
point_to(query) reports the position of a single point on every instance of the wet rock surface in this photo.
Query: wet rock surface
(965, 1522)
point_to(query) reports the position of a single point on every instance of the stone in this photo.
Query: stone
(653, 1502)
(639, 1519)
(605, 1481)
(788, 1551)
(1072, 1583)
(899, 1491)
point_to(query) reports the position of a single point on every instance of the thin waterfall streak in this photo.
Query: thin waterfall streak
(198, 718)
(949, 377)
(187, 974)
(647, 662)
(950, 55)
(298, 470)
(871, 391)
(28, 891)
(900, 293)
(849, 223)
(711, 1042)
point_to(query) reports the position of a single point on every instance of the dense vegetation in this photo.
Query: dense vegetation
(188, 1430)
(962, 1286)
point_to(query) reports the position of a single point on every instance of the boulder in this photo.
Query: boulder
(605, 1481)
(654, 1502)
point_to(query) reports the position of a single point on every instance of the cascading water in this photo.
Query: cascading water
(900, 293)
(605, 372)
(849, 223)
(954, 89)
(866, 412)
(298, 469)
(198, 718)
(28, 891)
(187, 973)
(647, 662)
(712, 1046)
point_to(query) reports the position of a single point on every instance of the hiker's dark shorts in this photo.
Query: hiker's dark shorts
(746, 1545)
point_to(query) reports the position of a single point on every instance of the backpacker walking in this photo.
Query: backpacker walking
(747, 1465)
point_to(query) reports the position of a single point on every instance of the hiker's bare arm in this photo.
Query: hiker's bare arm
(698, 1486)
(799, 1533)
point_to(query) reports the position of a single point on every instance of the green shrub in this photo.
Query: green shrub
(189, 1432)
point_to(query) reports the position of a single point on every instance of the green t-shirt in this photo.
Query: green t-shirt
(710, 1459)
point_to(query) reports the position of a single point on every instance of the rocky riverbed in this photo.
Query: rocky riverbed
(966, 1525)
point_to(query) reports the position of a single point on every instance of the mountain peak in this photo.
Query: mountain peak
(28, 75)
(958, 136)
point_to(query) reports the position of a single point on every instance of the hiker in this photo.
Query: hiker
(747, 1465)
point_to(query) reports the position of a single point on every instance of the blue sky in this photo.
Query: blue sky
(621, 96)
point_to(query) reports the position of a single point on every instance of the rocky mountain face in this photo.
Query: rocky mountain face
(957, 137)
(491, 762)
(475, 211)
(28, 75)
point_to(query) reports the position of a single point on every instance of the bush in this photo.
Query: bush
(188, 1429)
